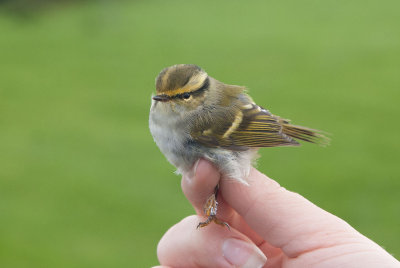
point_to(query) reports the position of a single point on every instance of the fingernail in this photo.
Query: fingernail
(243, 254)
(192, 173)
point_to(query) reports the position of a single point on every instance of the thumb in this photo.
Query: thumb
(185, 246)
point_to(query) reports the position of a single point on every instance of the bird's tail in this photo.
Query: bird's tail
(305, 134)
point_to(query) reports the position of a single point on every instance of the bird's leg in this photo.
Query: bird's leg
(210, 209)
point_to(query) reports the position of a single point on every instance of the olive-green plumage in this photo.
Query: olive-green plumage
(234, 122)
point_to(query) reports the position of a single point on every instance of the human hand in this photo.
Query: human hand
(267, 221)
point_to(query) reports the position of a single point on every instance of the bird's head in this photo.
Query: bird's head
(183, 85)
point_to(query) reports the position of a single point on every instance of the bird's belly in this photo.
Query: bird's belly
(175, 143)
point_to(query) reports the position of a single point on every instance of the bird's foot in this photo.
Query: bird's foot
(210, 209)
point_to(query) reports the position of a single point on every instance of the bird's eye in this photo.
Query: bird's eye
(186, 95)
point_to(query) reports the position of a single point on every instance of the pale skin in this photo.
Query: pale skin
(269, 227)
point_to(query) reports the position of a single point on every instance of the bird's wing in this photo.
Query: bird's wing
(247, 126)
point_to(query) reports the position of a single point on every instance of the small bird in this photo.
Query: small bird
(195, 116)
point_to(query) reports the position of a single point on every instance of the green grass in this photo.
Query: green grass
(82, 183)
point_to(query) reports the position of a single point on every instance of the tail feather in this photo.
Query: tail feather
(305, 134)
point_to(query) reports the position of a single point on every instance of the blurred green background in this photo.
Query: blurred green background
(82, 184)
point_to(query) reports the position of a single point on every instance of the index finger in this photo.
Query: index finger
(285, 219)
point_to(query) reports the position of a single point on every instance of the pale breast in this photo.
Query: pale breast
(172, 136)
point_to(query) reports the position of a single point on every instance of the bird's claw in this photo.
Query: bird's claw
(210, 209)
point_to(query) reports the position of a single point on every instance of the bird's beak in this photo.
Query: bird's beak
(162, 98)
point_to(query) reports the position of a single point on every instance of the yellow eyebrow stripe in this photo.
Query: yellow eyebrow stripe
(194, 83)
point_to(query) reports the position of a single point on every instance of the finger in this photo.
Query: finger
(200, 183)
(283, 218)
(185, 246)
